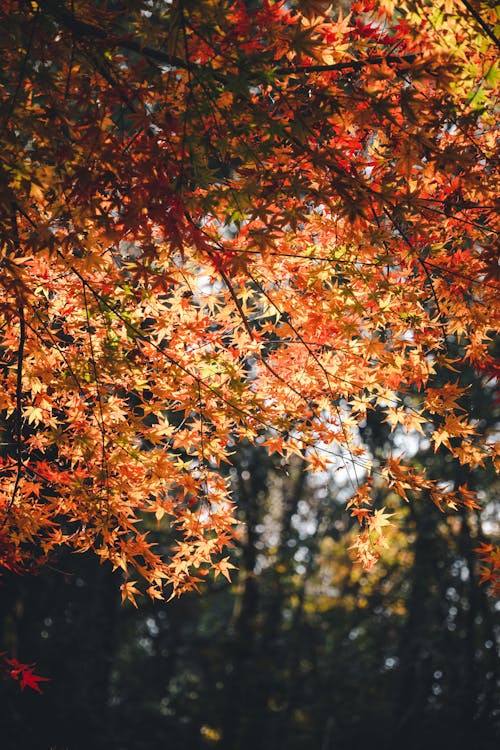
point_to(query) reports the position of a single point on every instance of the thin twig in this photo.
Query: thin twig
(102, 427)
(18, 414)
(487, 30)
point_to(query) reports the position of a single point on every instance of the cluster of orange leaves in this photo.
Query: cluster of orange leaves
(225, 224)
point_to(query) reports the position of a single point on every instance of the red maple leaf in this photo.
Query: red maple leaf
(31, 680)
(24, 674)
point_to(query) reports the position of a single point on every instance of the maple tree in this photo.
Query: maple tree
(224, 222)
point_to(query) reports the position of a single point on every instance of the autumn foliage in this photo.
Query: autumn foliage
(224, 222)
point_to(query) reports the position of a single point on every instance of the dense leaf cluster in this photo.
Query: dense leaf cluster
(223, 222)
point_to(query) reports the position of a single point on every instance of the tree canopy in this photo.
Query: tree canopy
(227, 222)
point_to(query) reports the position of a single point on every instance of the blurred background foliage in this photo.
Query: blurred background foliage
(303, 650)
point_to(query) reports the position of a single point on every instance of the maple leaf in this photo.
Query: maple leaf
(32, 680)
(24, 674)
(441, 437)
(129, 592)
(378, 520)
(223, 567)
(361, 513)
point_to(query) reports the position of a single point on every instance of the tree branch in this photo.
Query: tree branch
(18, 415)
(81, 29)
(348, 65)
(482, 23)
